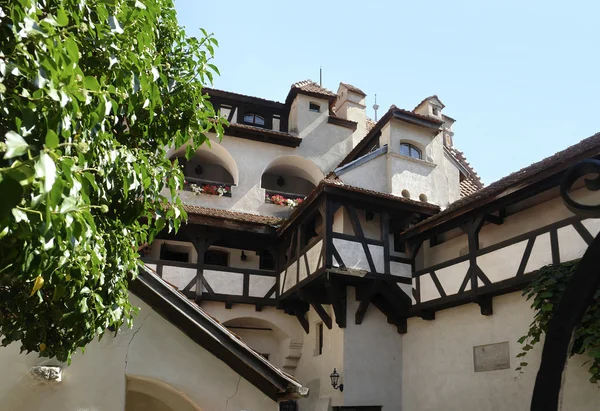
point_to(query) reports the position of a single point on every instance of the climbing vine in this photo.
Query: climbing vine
(546, 291)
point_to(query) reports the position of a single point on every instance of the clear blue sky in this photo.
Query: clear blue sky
(521, 77)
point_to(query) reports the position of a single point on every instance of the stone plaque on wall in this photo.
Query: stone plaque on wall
(491, 357)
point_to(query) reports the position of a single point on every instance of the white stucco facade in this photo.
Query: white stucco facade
(153, 349)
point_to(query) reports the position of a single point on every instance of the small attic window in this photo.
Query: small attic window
(252, 118)
(435, 111)
(410, 151)
(314, 107)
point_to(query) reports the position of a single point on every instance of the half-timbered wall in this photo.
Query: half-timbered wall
(537, 236)
(239, 279)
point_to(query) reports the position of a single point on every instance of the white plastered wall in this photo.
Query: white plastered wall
(438, 371)
(369, 175)
(154, 348)
(372, 359)
(434, 176)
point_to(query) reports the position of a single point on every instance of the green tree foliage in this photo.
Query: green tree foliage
(91, 95)
(546, 291)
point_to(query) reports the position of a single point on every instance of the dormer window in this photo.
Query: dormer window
(410, 151)
(255, 119)
(314, 107)
(435, 111)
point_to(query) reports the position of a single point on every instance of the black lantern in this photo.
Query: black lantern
(280, 181)
(243, 257)
(335, 378)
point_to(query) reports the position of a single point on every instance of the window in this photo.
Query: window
(266, 262)
(410, 151)
(435, 111)
(319, 339)
(314, 107)
(173, 253)
(252, 118)
(216, 257)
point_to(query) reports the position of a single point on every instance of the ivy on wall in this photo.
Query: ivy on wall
(546, 291)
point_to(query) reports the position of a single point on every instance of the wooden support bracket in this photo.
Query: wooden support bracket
(337, 296)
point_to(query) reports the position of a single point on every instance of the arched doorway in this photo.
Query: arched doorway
(148, 394)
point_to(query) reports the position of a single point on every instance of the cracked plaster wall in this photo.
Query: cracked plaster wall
(96, 380)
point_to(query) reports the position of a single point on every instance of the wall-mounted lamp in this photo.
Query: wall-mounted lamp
(243, 257)
(335, 378)
(199, 170)
(280, 181)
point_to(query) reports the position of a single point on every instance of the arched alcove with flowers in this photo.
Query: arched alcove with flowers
(212, 170)
(288, 180)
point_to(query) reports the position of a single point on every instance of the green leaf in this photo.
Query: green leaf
(73, 52)
(547, 307)
(214, 68)
(61, 18)
(51, 139)
(91, 83)
(15, 144)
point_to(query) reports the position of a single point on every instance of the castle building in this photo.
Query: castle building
(332, 262)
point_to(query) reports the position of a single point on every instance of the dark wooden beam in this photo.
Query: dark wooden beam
(301, 316)
(526, 255)
(485, 305)
(427, 315)
(494, 219)
(481, 275)
(472, 229)
(554, 247)
(583, 232)
(322, 314)
(438, 285)
(337, 256)
(385, 233)
(365, 300)
(337, 296)
(463, 285)
(358, 231)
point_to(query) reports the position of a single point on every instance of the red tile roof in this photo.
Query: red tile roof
(312, 87)
(231, 215)
(471, 182)
(353, 89)
(339, 183)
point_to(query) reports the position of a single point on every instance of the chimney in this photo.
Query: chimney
(350, 105)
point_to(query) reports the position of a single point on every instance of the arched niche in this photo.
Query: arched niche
(149, 394)
(291, 176)
(208, 165)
